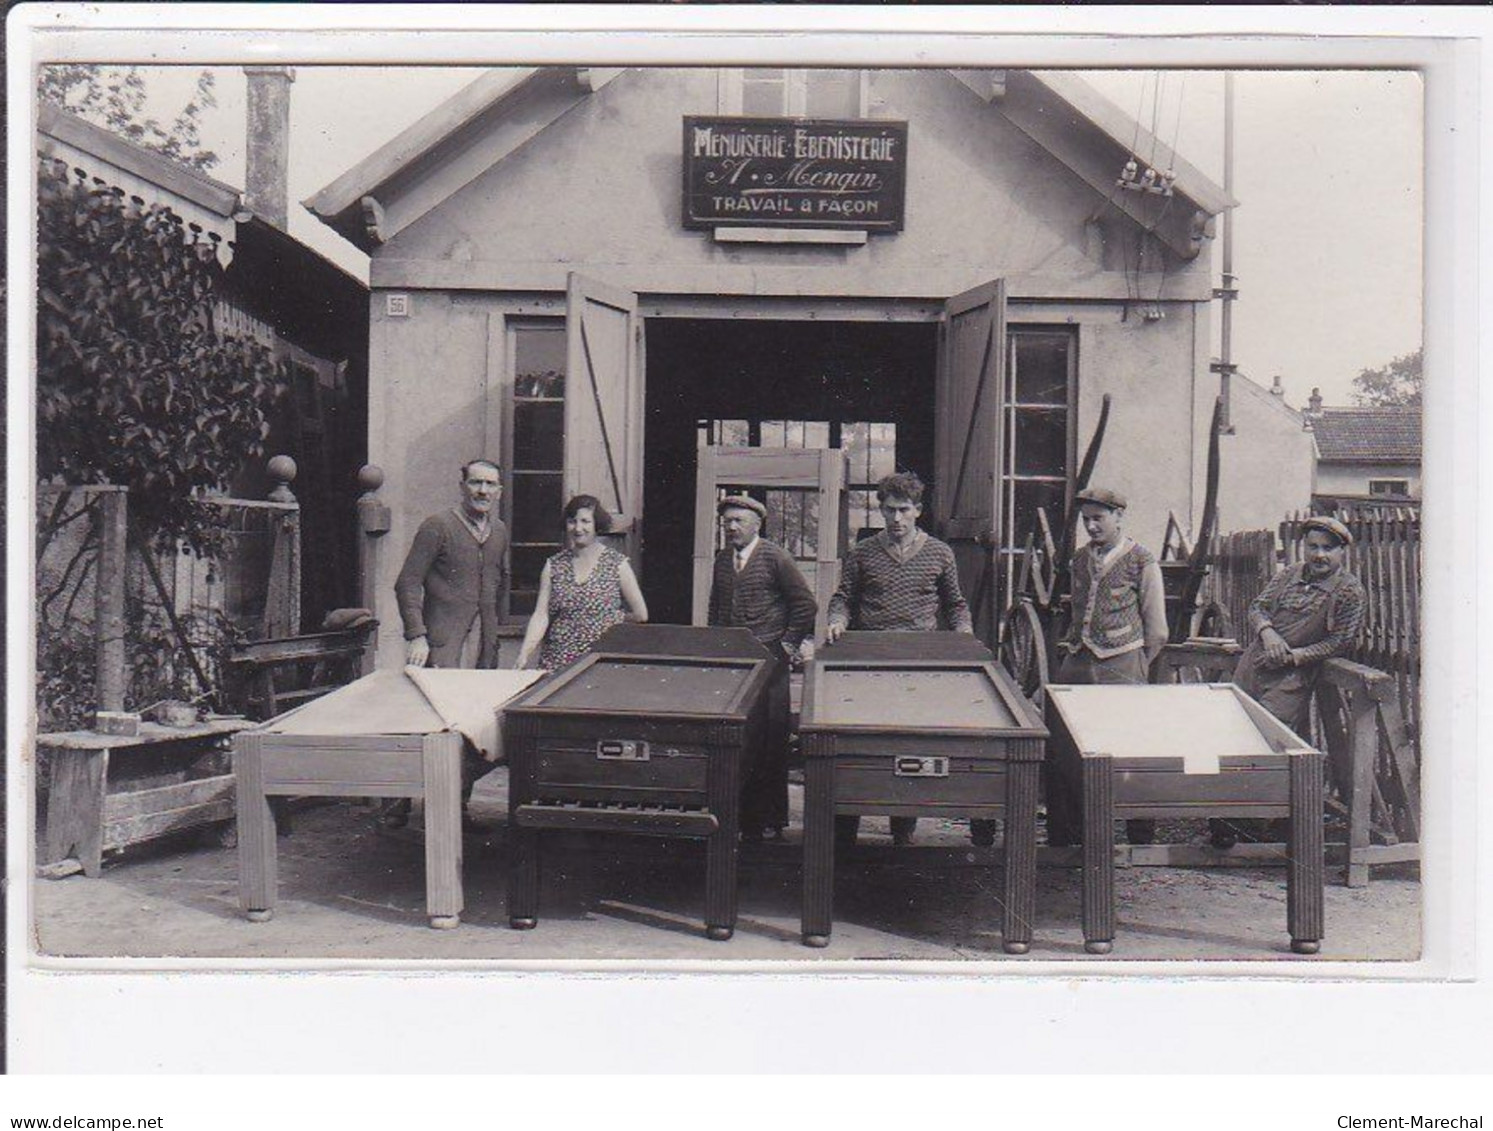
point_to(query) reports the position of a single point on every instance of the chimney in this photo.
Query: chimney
(267, 192)
(1314, 402)
(1277, 389)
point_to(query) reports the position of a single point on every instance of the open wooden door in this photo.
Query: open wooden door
(812, 478)
(604, 403)
(967, 444)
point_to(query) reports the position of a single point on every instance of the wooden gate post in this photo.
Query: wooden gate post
(373, 524)
(282, 606)
(109, 599)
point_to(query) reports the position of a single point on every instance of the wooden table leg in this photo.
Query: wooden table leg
(1020, 856)
(257, 877)
(720, 885)
(523, 877)
(1304, 895)
(1098, 855)
(441, 761)
(819, 841)
(1363, 749)
(75, 809)
(724, 792)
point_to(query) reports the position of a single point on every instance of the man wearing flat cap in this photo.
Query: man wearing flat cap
(1118, 622)
(1119, 608)
(1307, 613)
(757, 586)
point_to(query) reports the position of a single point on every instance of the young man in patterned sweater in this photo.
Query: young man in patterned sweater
(1118, 623)
(901, 580)
(756, 585)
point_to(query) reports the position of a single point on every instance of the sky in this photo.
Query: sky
(1328, 173)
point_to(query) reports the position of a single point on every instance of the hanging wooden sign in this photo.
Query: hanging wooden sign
(794, 173)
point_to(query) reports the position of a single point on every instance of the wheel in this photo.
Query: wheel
(1023, 648)
(719, 934)
(1099, 946)
(818, 942)
(519, 923)
(1017, 947)
(445, 922)
(258, 915)
(1306, 946)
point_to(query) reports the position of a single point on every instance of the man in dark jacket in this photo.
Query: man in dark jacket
(757, 586)
(448, 594)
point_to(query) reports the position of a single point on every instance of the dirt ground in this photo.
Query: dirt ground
(350, 890)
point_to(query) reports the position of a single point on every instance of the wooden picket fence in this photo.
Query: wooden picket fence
(1242, 563)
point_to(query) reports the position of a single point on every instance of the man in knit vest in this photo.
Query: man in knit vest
(900, 580)
(757, 586)
(1118, 623)
(448, 594)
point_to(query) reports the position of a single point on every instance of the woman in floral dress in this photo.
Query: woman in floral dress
(583, 591)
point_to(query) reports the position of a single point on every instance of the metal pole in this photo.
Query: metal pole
(1229, 291)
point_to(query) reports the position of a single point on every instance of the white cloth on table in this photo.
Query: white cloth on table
(414, 701)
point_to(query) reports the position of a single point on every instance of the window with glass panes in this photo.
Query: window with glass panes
(802, 92)
(536, 471)
(1038, 438)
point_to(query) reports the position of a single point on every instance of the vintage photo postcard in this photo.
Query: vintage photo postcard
(553, 505)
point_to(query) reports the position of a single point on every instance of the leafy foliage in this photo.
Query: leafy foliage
(134, 385)
(115, 98)
(67, 662)
(1398, 383)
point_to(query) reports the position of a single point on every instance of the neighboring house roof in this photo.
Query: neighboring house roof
(199, 188)
(1368, 435)
(494, 116)
(270, 273)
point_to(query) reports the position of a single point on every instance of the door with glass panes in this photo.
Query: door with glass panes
(1003, 444)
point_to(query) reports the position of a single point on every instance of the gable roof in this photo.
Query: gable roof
(1368, 435)
(501, 111)
(1246, 385)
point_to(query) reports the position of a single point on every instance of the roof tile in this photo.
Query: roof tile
(1368, 435)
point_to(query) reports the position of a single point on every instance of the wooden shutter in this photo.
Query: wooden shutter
(967, 440)
(604, 402)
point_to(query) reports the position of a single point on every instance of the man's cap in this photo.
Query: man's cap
(1331, 525)
(745, 502)
(1102, 496)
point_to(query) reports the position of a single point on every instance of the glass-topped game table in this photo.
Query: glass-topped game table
(918, 724)
(652, 734)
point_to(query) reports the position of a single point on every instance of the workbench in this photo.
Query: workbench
(109, 792)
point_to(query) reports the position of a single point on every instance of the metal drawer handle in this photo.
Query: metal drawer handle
(621, 750)
(921, 767)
